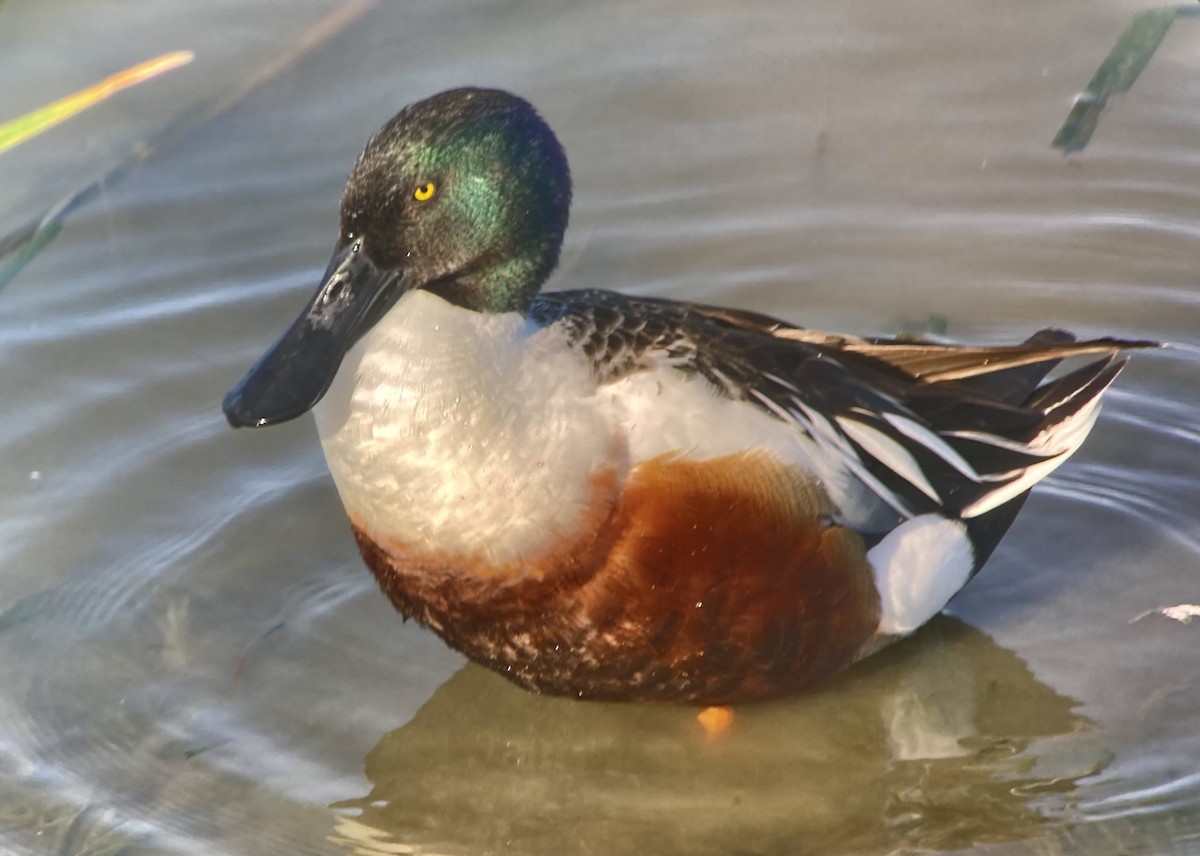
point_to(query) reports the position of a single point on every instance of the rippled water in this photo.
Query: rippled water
(192, 659)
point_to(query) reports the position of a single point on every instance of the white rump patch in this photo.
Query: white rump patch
(918, 567)
(1183, 613)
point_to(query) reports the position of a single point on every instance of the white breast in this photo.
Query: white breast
(463, 432)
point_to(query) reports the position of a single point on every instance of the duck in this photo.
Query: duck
(627, 498)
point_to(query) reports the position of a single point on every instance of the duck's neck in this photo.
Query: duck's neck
(504, 281)
(450, 431)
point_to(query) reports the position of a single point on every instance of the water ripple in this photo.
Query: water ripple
(194, 660)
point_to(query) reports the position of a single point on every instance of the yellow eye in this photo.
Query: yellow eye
(425, 192)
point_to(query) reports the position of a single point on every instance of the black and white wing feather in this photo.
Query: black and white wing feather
(956, 430)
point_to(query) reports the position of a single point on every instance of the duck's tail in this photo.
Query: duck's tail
(975, 427)
(1004, 429)
(1013, 430)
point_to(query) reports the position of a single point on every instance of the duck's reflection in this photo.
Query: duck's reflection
(934, 744)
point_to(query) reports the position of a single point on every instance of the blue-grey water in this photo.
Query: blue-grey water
(193, 660)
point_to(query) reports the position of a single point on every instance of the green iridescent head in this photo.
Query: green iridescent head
(469, 192)
(465, 195)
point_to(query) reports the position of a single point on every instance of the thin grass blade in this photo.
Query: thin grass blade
(22, 245)
(1117, 73)
(17, 131)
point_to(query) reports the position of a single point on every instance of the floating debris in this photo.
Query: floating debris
(919, 329)
(240, 665)
(200, 750)
(1183, 613)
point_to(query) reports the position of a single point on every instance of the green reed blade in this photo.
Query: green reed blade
(22, 245)
(1117, 73)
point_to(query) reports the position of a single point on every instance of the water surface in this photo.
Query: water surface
(192, 659)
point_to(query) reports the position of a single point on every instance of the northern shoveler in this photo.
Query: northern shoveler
(627, 498)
